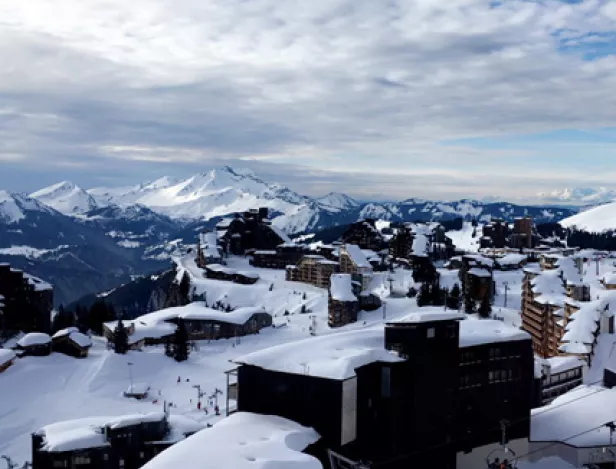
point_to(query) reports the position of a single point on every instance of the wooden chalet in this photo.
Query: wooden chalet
(71, 342)
(342, 304)
(250, 230)
(7, 358)
(37, 344)
(365, 235)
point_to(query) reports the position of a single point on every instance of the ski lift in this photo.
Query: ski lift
(604, 455)
(503, 455)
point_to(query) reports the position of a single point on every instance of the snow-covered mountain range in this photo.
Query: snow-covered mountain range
(224, 191)
(581, 196)
(90, 239)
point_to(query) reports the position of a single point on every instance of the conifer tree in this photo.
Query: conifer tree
(423, 297)
(181, 348)
(485, 308)
(469, 305)
(120, 338)
(185, 289)
(453, 299)
(412, 293)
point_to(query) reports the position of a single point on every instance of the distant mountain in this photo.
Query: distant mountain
(337, 201)
(66, 198)
(579, 196)
(75, 257)
(204, 196)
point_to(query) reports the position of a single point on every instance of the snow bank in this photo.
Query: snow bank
(6, 355)
(341, 288)
(243, 441)
(334, 356)
(34, 338)
(487, 331)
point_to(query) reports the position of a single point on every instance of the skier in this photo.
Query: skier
(179, 379)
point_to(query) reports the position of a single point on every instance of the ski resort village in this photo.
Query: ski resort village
(468, 345)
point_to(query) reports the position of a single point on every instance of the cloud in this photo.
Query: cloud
(352, 90)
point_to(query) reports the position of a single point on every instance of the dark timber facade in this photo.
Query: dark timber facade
(440, 401)
(27, 302)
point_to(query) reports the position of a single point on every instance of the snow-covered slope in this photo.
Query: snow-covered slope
(597, 219)
(66, 198)
(13, 207)
(579, 196)
(215, 193)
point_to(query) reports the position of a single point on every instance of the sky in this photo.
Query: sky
(384, 99)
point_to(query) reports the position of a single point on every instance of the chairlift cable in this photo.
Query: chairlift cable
(550, 408)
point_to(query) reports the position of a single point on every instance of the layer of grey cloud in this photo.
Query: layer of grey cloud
(352, 95)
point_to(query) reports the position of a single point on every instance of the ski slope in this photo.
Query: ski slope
(595, 220)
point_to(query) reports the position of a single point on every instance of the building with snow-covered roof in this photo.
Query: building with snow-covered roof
(313, 269)
(208, 250)
(36, 344)
(124, 442)
(609, 281)
(555, 376)
(364, 234)
(28, 301)
(353, 261)
(285, 254)
(342, 305)
(573, 427)
(245, 440)
(398, 392)
(71, 342)
(202, 323)
(252, 230)
(549, 300)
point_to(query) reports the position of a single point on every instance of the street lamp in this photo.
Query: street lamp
(506, 285)
(130, 375)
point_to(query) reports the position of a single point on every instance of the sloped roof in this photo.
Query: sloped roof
(356, 255)
(341, 288)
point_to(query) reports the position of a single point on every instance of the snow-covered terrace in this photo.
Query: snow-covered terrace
(87, 433)
(477, 272)
(243, 441)
(488, 331)
(332, 356)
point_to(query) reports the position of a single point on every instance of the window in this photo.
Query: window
(495, 353)
(81, 460)
(120, 462)
(105, 457)
(141, 454)
(430, 333)
(60, 464)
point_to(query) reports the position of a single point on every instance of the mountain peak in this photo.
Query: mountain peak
(66, 197)
(338, 201)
